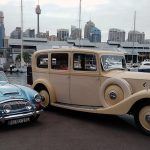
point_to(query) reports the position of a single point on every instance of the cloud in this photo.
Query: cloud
(59, 15)
(73, 3)
(4, 2)
(62, 13)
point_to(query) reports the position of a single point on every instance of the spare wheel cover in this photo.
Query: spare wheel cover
(122, 84)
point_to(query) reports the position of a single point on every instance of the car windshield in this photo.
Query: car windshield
(3, 77)
(110, 62)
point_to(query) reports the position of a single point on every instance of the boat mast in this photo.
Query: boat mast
(134, 37)
(21, 34)
(80, 24)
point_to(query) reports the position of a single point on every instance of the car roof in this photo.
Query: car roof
(79, 50)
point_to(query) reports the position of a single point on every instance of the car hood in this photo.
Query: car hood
(9, 91)
(129, 75)
(137, 80)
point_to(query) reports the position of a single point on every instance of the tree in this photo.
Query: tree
(26, 57)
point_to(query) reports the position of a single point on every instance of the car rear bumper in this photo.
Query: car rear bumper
(17, 116)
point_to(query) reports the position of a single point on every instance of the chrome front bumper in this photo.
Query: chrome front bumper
(17, 116)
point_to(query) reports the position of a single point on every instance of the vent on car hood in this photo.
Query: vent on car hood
(9, 89)
(11, 93)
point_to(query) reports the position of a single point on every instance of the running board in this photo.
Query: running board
(83, 108)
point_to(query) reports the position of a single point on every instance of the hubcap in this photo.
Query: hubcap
(144, 117)
(147, 118)
(113, 95)
(45, 99)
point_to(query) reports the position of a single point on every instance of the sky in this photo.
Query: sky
(58, 14)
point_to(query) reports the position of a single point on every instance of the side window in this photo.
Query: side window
(84, 62)
(42, 61)
(59, 61)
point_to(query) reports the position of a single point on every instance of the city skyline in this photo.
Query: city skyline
(53, 12)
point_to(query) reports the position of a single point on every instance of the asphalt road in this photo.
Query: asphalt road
(59, 129)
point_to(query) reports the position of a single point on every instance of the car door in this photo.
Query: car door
(59, 75)
(85, 80)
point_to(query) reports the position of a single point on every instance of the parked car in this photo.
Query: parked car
(145, 66)
(91, 81)
(18, 103)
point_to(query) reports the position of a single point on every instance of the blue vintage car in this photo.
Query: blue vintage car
(18, 104)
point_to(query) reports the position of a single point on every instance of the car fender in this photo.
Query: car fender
(27, 92)
(48, 86)
(125, 105)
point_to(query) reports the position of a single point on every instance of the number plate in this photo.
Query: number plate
(18, 121)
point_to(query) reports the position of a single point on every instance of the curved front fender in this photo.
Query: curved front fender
(48, 86)
(125, 105)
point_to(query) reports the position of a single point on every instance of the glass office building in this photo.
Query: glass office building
(2, 35)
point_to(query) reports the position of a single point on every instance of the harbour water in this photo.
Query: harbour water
(17, 78)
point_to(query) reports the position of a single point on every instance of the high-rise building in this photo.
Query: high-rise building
(75, 33)
(43, 35)
(87, 29)
(116, 35)
(136, 36)
(147, 41)
(29, 33)
(2, 29)
(1, 17)
(16, 34)
(52, 38)
(95, 35)
(62, 34)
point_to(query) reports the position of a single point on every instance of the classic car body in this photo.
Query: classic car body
(18, 103)
(92, 81)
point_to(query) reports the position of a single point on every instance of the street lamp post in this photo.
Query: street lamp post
(21, 34)
(80, 32)
(134, 37)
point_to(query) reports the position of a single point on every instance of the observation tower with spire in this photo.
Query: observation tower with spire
(38, 12)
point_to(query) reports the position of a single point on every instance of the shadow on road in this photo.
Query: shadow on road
(107, 122)
(6, 128)
(61, 129)
(119, 123)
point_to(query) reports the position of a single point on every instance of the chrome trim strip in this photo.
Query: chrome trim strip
(20, 115)
(9, 100)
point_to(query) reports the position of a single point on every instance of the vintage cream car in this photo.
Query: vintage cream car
(92, 81)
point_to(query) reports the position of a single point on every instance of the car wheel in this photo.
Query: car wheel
(142, 118)
(46, 98)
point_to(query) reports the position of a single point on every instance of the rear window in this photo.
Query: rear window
(42, 61)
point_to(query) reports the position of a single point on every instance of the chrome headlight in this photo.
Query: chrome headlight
(7, 108)
(28, 106)
(37, 98)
